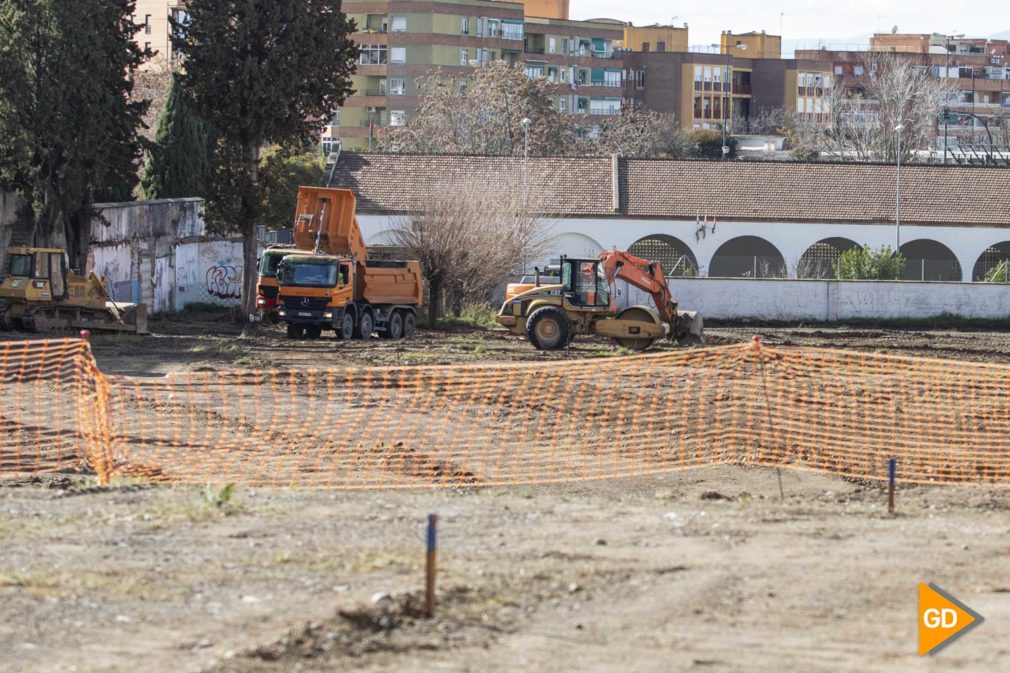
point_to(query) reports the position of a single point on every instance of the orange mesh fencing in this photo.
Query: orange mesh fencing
(840, 412)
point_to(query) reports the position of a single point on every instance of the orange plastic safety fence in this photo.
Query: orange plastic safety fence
(840, 412)
(53, 409)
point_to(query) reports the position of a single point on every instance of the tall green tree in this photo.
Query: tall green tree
(282, 173)
(261, 72)
(180, 157)
(68, 129)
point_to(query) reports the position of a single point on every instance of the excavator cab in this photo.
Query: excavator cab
(584, 283)
(35, 275)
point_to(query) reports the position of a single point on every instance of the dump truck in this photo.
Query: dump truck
(266, 286)
(581, 302)
(330, 284)
(40, 294)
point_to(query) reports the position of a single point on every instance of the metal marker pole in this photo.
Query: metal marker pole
(430, 567)
(892, 466)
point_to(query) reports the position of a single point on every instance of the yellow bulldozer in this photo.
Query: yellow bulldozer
(39, 294)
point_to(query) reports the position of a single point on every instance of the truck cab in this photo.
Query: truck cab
(266, 286)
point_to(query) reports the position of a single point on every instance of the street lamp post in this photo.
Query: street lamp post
(897, 192)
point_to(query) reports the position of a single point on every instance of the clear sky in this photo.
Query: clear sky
(807, 21)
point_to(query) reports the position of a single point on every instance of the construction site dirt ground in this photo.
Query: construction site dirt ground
(212, 341)
(713, 569)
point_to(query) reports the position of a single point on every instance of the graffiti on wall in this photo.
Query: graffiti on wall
(224, 281)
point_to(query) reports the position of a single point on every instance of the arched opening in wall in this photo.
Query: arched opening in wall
(993, 265)
(747, 257)
(671, 252)
(926, 259)
(820, 259)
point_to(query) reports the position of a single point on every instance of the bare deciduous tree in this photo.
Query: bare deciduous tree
(894, 90)
(470, 235)
(481, 114)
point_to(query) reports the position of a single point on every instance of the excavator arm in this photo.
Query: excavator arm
(643, 274)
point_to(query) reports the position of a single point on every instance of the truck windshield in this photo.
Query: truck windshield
(269, 262)
(308, 274)
(21, 265)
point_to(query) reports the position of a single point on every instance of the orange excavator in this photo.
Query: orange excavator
(582, 302)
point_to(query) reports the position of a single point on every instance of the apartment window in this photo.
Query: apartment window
(552, 45)
(492, 28)
(604, 106)
(512, 30)
(397, 117)
(464, 25)
(661, 46)
(147, 46)
(858, 71)
(372, 54)
(839, 70)
(645, 46)
(612, 78)
(697, 78)
(397, 86)
(563, 105)
(640, 79)
(147, 24)
(563, 75)
(534, 71)
(564, 45)
(397, 54)
(383, 87)
(464, 56)
(399, 24)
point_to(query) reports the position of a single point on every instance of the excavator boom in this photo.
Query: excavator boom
(648, 276)
(643, 274)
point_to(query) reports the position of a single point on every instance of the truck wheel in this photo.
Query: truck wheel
(409, 324)
(313, 332)
(394, 327)
(345, 330)
(365, 326)
(549, 328)
(295, 331)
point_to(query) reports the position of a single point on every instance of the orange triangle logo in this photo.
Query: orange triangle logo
(942, 619)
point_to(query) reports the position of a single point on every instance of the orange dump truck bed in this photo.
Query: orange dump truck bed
(325, 222)
(389, 282)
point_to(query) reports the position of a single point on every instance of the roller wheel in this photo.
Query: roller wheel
(394, 327)
(345, 330)
(296, 331)
(548, 328)
(635, 343)
(365, 326)
(409, 325)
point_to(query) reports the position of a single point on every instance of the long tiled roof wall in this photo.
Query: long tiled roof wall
(735, 190)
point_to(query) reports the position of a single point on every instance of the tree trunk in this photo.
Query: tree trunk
(434, 301)
(250, 246)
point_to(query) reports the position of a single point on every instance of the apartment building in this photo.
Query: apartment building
(751, 45)
(705, 91)
(578, 57)
(979, 69)
(403, 40)
(656, 37)
(155, 30)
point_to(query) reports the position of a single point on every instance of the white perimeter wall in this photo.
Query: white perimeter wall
(827, 300)
(588, 236)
